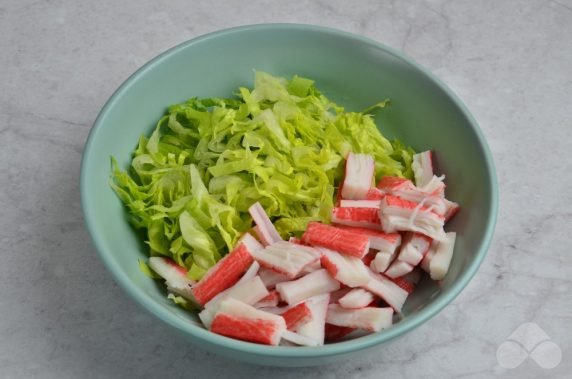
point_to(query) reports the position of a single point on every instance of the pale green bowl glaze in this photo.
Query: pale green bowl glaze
(352, 70)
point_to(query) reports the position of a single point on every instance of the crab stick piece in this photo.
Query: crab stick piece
(374, 194)
(435, 186)
(356, 298)
(269, 301)
(315, 283)
(238, 320)
(426, 262)
(250, 273)
(382, 261)
(298, 339)
(286, 258)
(360, 203)
(335, 332)
(398, 268)
(441, 260)
(314, 329)
(264, 227)
(337, 295)
(422, 168)
(315, 266)
(249, 292)
(397, 214)
(415, 246)
(296, 316)
(390, 292)
(371, 319)
(389, 184)
(404, 283)
(436, 203)
(452, 209)
(270, 277)
(378, 240)
(358, 217)
(359, 175)
(330, 237)
(346, 269)
(175, 276)
(227, 271)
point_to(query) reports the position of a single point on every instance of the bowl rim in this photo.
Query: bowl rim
(208, 337)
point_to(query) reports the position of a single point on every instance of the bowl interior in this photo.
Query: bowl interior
(351, 70)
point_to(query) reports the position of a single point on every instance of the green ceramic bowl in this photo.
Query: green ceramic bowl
(352, 70)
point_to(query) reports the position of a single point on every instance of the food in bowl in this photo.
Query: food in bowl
(286, 157)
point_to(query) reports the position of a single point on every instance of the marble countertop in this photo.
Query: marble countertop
(61, 315)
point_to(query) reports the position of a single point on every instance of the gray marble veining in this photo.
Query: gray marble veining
(63, 317)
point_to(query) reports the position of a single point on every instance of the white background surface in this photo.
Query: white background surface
(61, 315)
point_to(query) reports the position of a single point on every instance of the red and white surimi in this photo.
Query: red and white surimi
(374, 194)
(270, 277)
(382, 261)
(175, 276)
(441, 260)
(404, 283)
(241, 321)
(297, 315)
(429, 256)
(390, 292)
(314, 329)
(346, 269)
(422, 168)
(360, 203)
(372, 319)
(360, 170)
(378, 240)
(330, 237)
(390, 184)
(397, 214)
(452, 209)
(298, 339)
(286, 258)
(335, 332)
(435, 186)
(265, 229)
(250, 273)
(249, 292)
(358, 217)
(315, 283)
(269, 301)
(398, 268)
(415, 246)
(314, 266)
(335, 296)
(227, 271)
(356, 298)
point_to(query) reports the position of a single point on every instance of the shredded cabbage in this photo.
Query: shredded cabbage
(283, 143)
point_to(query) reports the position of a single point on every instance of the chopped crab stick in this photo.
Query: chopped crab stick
(425, 263)
(359, 175)
(298, 339)
(441, 260)
(372, 319)
(270, 277)
(269, 301)
(374, 194)
(343, 241)
(415, 246)
(175, 276)
(337, 295)
(296, 316)
(390, 292)
(435, 186)
(346, 269)
(334, 332)
(315, 266)
(227, 271)
(249, 292)
(358, 217)
(422, 168)
(405, 284)
(286, 258)
(314, 329)
(398, 268)
(239, 320)
(250, 273)
(402, 215)
(437, 204)
(360, 203)
(452, 209)
(356, 298)
(265, 229)
(378, 240)
(382, 261)
(315, 283)
(389, 184)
